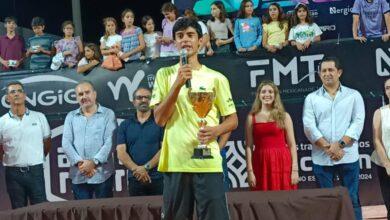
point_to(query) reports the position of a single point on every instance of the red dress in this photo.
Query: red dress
(271, 157)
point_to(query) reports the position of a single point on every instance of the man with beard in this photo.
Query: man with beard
(87, 142)
(139, 142)
(24, 143)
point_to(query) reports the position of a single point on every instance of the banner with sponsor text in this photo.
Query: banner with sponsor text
(365, 68)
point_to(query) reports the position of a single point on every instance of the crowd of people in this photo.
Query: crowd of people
(156, 144)
(245, 32)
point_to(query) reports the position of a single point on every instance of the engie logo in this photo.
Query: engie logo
(42, 95)
(344, 11)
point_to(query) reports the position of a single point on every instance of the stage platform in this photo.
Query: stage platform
(310, 204)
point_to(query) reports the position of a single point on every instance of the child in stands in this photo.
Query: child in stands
(133, 41)
(303, 31)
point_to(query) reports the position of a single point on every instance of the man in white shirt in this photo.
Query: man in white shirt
(24, 143)
(333, 119)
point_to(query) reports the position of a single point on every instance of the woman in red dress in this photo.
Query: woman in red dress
(271, 152)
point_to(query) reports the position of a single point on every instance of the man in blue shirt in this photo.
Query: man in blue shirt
(87, 142)
(333, 119)
(139, 142)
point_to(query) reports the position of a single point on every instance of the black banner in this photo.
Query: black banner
(365, 68)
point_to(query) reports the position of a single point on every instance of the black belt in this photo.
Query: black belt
(24, 169)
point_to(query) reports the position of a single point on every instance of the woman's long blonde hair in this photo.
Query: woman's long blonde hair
(278, 114)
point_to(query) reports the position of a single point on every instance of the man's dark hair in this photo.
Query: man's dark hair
(37, 21)
(336, 61)
(184, 23)
(86, 82)
(140, 88)
(10, 19)
(14, 83)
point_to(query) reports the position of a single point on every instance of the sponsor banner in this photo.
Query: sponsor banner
(333, 16)
(365, 68)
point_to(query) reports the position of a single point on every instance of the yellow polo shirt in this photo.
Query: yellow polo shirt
(180, 136)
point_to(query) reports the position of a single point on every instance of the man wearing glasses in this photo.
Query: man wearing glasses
(87, 142)
(139, 142)
(24, 143)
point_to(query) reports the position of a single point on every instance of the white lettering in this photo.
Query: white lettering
(255, 73)
(381, 56)
(285, 70)
(130, 86)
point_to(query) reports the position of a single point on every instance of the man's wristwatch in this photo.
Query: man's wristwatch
(147, 166)
(342, 144)
(96, 161)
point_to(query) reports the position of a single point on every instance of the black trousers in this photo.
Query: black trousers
(184, 190)
(384, 181)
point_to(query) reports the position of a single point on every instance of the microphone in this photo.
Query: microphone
(184, 61)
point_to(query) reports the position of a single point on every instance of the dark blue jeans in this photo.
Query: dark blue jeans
(101, 190)
(25, 183)
(349, 176)
(137, 188)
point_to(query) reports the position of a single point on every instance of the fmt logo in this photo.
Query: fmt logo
(279, 69)
(46, 97)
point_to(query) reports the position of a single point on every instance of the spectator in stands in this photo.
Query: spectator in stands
(11, 46)
(40, 46)
(87, 142)
(247, 28)
(303, 30)
(188, 181)
(133, 41)
(152, 46)
(90, 60)
(270, 131)
(334, 130)
(24, 143)
(381, 154)
(205, 43)
(70, 47)
(139, 141)
(110, 43)
(170, 13)
(219, 26)
(371, 19)
(275, 29)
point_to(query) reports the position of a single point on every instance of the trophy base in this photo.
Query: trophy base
(202, 153)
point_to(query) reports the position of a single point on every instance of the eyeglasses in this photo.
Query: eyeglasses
(14, 91)
(140, 97)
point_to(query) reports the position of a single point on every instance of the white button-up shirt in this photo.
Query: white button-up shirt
(331, 119)
(22, 139)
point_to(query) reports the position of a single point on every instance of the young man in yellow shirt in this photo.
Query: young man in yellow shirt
(188, 180)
